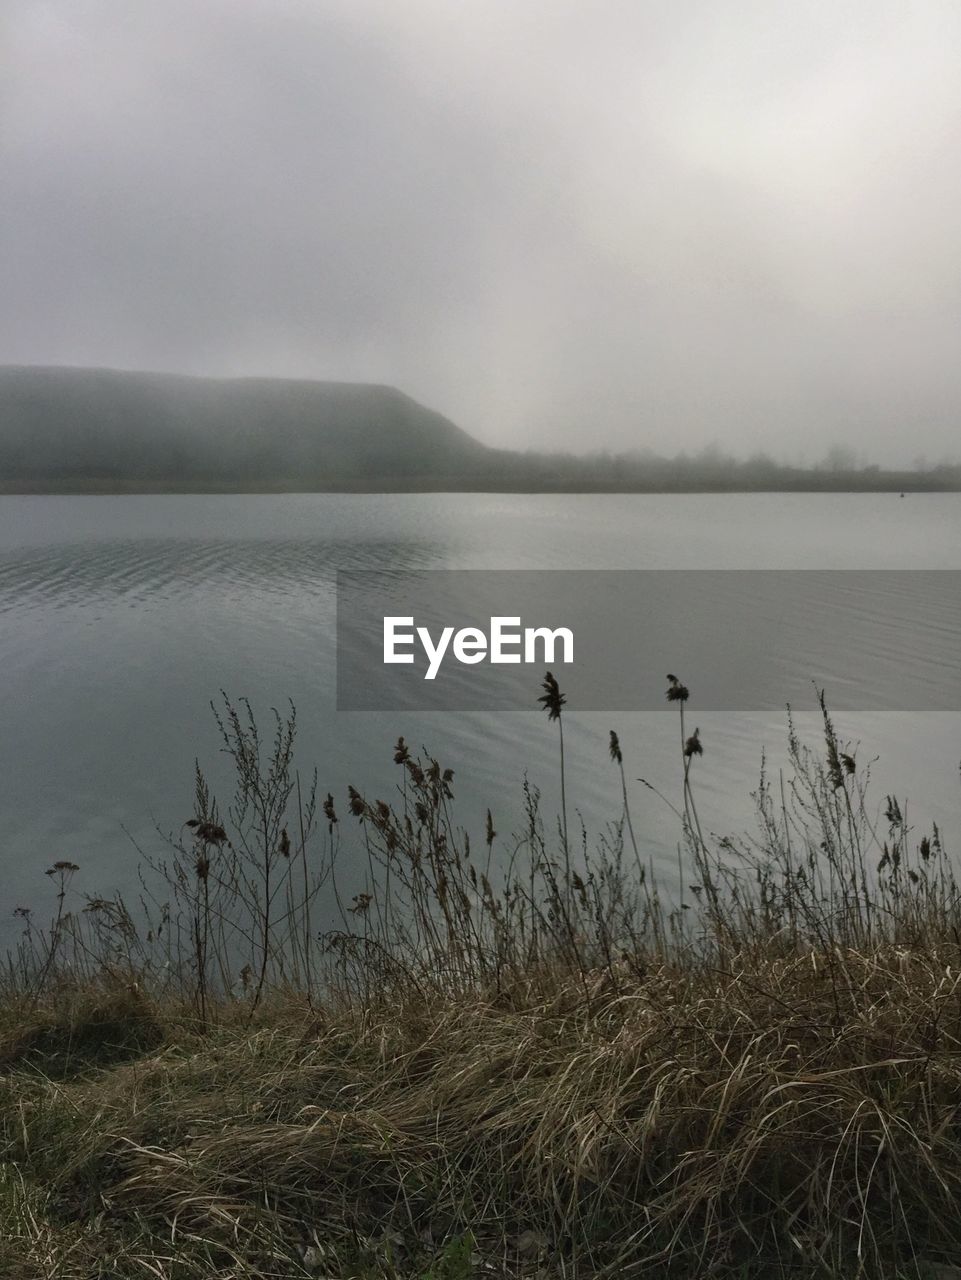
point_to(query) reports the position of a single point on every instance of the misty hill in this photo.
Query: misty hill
(104, 431)
(97, 428)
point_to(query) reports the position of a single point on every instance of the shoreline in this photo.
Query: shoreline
(902, 485)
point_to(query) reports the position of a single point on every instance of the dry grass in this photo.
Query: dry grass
(555, 1072)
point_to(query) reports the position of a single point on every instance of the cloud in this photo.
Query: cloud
(563, 225)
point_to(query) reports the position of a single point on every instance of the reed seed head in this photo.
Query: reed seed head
(209, 832)
(490, 833)
(677, 692)
(551, 699)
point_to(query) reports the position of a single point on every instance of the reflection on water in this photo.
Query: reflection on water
(120, 618)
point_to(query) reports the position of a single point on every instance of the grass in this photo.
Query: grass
(510, 1058)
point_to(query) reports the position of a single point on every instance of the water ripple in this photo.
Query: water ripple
(153, 571)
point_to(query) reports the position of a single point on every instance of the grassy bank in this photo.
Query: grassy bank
(509, 1057)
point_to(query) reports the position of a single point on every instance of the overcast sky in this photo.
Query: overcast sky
(610, 223)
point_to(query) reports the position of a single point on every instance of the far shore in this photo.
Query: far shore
(801, 482)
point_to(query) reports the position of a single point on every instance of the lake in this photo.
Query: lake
(122, 617)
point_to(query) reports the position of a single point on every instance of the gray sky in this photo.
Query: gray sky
(610, 223)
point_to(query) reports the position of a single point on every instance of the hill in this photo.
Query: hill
(101, 429)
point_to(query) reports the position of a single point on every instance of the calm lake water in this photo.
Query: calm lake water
(121, 617)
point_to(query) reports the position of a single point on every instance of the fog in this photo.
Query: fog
(564, 225)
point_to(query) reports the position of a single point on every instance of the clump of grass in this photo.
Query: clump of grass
(85, 1026)
(505, 1059)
